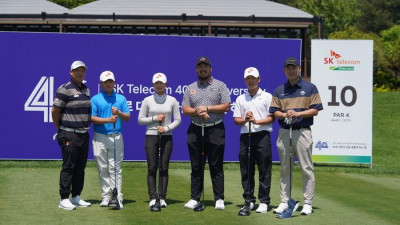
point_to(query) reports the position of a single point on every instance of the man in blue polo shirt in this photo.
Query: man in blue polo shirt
(109, 109)
(299, 101)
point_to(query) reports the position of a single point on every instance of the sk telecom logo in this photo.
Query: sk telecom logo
(337, 63)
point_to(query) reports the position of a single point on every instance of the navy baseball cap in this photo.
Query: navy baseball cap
(291, 61)
(203, 59)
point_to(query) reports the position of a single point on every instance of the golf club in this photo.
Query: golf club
(200, 206)
(157, 206)
(245, 211)
(292, 204)
(114, 203)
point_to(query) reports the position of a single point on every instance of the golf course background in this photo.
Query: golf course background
(345, 194)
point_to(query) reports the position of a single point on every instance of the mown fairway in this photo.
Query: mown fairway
(345, 194)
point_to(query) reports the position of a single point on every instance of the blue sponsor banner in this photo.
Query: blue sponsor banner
(34, 65)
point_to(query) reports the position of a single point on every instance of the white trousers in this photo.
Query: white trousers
(103, 151)
(302, 147)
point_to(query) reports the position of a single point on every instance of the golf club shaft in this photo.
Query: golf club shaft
(115, 168)
(203, 156)
(159, 163)
(115, 164)
(248, 165)
(290, 161)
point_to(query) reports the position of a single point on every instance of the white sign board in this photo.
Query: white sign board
(342, 72)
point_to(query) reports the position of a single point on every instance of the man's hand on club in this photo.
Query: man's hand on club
(204, 116)
(201, 109)
(115, 111)
(112, 119)
(249, 117)
(291, 116)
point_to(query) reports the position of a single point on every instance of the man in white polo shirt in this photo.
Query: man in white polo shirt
(252, 114)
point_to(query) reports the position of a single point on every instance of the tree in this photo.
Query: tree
(70, 4)
(337, 14)
(391, 43)
(378, 15)
(381, 73)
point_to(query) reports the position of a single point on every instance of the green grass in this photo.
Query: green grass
(29, 196)
(386, 134)
(345, 194)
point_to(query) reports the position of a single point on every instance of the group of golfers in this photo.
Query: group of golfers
(206, 101)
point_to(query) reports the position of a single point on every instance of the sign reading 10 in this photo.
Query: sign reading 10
(352, 95)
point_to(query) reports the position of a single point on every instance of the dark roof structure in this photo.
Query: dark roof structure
(228, 18)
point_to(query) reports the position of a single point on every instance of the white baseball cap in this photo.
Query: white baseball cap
(107, 75)
(77, 64)
(159, 77)
(251, 71)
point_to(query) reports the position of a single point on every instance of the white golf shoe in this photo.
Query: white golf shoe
(104, 202)
(152, 202)
(282, 206)
(307, 210)
(191, 204)
(219, 204)
(66, 204)
(262, 208)
(163, 203)
(78, 202)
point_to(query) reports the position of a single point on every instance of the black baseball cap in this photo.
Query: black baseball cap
(203, 59)
(291, 61)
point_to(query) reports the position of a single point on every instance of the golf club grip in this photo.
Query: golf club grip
(249, 138)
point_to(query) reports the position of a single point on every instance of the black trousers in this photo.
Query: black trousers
(151, 147)
(260, 153)
(214, 147)
(75, 149)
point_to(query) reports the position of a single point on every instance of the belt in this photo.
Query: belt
(112, 134)
(207, 124)
(297, 128)
(259, 133)
(81, 131)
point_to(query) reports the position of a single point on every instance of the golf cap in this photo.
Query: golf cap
(159, 77)
(291, 61)
(107, 75)
(251, 71)
(203, 59)
(77, 64)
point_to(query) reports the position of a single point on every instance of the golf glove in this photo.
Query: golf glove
(288, 120)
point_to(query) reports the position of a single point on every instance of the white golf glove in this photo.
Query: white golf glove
(55, 136)
(288, 120)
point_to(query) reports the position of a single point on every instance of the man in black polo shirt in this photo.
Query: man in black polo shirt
(71, 115)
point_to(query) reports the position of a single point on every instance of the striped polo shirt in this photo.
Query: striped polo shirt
(212, 92)
(299, 97)
(74, 102)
